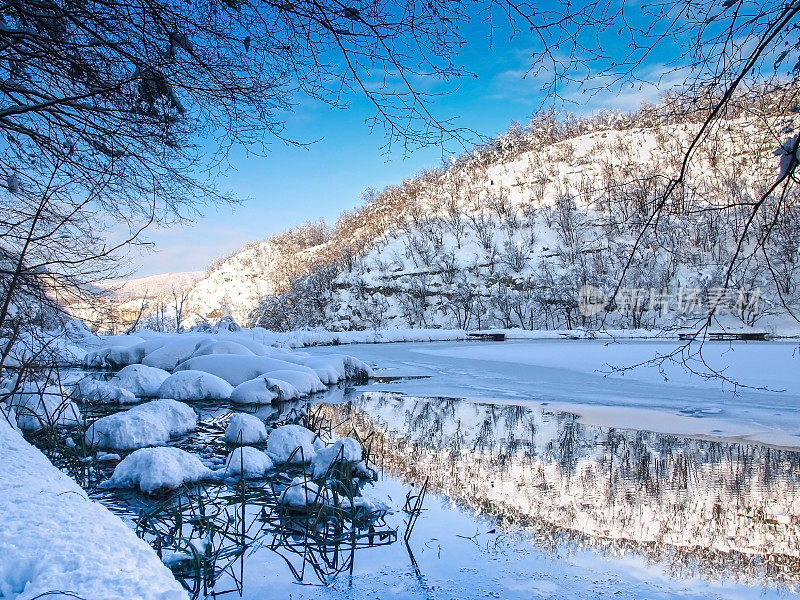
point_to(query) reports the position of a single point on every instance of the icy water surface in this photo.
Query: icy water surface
(520, 503)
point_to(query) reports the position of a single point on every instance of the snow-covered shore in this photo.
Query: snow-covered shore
(53, 538)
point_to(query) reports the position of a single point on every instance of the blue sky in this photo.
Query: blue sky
(295, 184)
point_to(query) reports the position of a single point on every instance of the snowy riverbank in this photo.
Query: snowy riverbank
(55, 539)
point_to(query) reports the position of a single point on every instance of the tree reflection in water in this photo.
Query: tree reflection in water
(719, 509)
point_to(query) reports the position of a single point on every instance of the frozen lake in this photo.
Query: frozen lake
(585, 377)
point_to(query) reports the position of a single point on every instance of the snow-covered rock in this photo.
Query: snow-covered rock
(262, 390)
(332, 368)
(345, 450)
(150, 424)
(53, 537)
(245, 429)
(212, 346)
(142, 381)
(106, 392)
(46, 407)
(172, 350)
(238, 369)
(153, 469)
(247, 462)
(304, 382)
(195, 385)
(287, 439)
(300, 493)
(115, 357)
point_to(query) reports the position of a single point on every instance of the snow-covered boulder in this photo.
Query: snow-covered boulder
(226, 323)
(247, 462)
(116, 357)
(261, 390)
(195, 385)
(47, 407)
(123, 339)
(212, 346)
(238, 369)
(305, 382)
(300, 493)
(153, 469)
(171, 350)
(105, 392)
(150, 424)
(287, 439)
(332, 368)
(245, 338)
(245, 429)
(142, 381)
(345, 450)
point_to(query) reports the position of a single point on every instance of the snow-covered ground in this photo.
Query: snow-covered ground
(54, 541)
(578, 376)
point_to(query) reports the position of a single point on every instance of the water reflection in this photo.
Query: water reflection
(206, 532)
(714, 508)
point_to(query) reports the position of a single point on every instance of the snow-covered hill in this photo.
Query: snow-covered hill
(509, 235)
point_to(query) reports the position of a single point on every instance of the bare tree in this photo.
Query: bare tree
(103, 106)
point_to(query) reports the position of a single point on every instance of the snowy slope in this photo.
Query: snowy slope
(511, 243)
(54, 539)
(506, 235)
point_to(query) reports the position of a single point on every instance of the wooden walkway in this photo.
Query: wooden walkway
(725, 336)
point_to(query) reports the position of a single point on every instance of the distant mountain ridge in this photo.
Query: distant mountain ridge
(153, 286)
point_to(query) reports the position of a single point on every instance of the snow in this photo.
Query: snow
(245, 429)
(304, 383)
(284, 389)
(287, 439)
(304, 338)
(142, 381)
(94, 390)
(115, 356)
(173, 352)
(212, 346)
(77, 331)
(301, 493)
(195, 385)
(45, 346)
(238, 369)
(333, 368)
(153, 469)
(247, 462)
(262, 390)
(149, 424)
(37, 408)
(789, 156)
(344, 450)
(53, 537)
